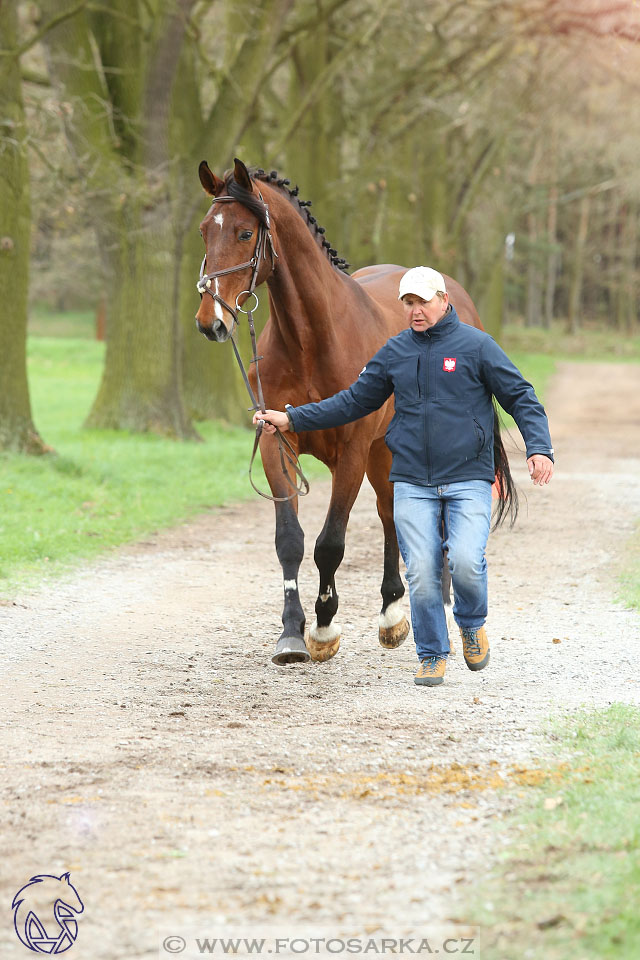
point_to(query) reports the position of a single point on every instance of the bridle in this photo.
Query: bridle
(264, 241)
(259, 254)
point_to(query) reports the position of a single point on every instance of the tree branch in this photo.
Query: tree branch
(39, 34)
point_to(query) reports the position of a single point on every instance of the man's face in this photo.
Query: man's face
(422, 314)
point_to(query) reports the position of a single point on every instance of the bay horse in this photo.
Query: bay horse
(324, 326)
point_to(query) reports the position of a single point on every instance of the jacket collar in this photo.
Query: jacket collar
(442, 328)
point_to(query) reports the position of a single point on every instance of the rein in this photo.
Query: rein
(287, 453)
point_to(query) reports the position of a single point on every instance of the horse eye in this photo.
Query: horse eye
(245, 235)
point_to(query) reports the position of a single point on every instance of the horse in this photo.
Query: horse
(324, 325)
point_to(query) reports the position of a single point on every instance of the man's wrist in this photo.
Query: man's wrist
(287, 409)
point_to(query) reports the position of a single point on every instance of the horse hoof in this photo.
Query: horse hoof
(290, 650)
(322, 642)
(392, 637)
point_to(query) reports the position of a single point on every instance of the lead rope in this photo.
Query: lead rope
(287, 453)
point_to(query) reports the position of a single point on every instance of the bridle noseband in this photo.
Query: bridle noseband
(259, 254)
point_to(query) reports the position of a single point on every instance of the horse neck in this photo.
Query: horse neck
(304, 287)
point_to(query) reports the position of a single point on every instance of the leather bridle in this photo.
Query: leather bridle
(259, 254)
(285, 449)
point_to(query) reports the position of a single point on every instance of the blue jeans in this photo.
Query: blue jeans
(456, 517)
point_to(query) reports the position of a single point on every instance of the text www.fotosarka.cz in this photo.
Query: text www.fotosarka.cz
(192, 944)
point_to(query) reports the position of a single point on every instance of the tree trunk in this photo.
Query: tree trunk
(127, 181)
(314, 153)
(213, 386)
(140, 388)
(534, 280)
(627, 301)
(492, 306)
(17, 431)
(577, 273)
(552, 257)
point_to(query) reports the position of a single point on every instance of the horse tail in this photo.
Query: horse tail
(507, 505)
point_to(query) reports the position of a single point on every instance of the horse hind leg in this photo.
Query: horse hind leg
(323, 636)
(452, 627)
(393, 626)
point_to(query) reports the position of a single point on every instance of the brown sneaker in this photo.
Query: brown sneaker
(475, 647)
(431, 672)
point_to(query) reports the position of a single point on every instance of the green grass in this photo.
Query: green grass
(46, 322)
(591, 344)
(630, 577)
(538, 368)
(569, 884)
(104, 488)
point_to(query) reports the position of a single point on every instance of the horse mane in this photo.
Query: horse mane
(257, 207)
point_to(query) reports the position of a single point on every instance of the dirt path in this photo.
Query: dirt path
(150, 747)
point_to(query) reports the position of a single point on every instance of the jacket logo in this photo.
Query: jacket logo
(449, 364)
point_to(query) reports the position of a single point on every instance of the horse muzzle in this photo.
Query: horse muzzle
(217, 332)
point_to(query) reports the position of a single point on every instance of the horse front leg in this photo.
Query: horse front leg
(393, 626)
(323, 636)
(290, 647)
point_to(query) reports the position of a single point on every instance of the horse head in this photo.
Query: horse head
(239, 249)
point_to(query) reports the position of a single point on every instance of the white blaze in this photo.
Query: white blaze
(218, 219)
(217, 308)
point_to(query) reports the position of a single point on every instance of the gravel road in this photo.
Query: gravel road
(150, 747)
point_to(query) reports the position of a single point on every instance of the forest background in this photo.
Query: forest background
(497, 141)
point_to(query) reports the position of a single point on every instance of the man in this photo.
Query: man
(443, 374)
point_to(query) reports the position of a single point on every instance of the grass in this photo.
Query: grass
(103, 488)
(569, 885)
(538, 368)
(591, 344)
(630, 578)
(78, 324)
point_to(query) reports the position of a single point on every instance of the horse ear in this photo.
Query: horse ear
(241, 175)
(212, 185)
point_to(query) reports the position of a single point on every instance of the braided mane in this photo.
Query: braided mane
(255, 205)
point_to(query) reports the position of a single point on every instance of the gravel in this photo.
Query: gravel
(151, 748)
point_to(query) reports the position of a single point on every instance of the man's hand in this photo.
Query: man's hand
(540, 468)
(272, 419)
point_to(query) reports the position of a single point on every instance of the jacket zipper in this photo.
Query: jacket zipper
(426, 409)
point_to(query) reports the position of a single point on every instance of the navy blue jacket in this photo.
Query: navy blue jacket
(443, 381)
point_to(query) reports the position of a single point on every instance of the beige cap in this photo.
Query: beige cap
(423, 281)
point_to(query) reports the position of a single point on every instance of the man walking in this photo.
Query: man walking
(444, 375)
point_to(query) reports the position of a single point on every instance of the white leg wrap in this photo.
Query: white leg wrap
(324, 634)
(392, 615)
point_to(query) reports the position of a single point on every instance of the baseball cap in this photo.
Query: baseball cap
(423, 281)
